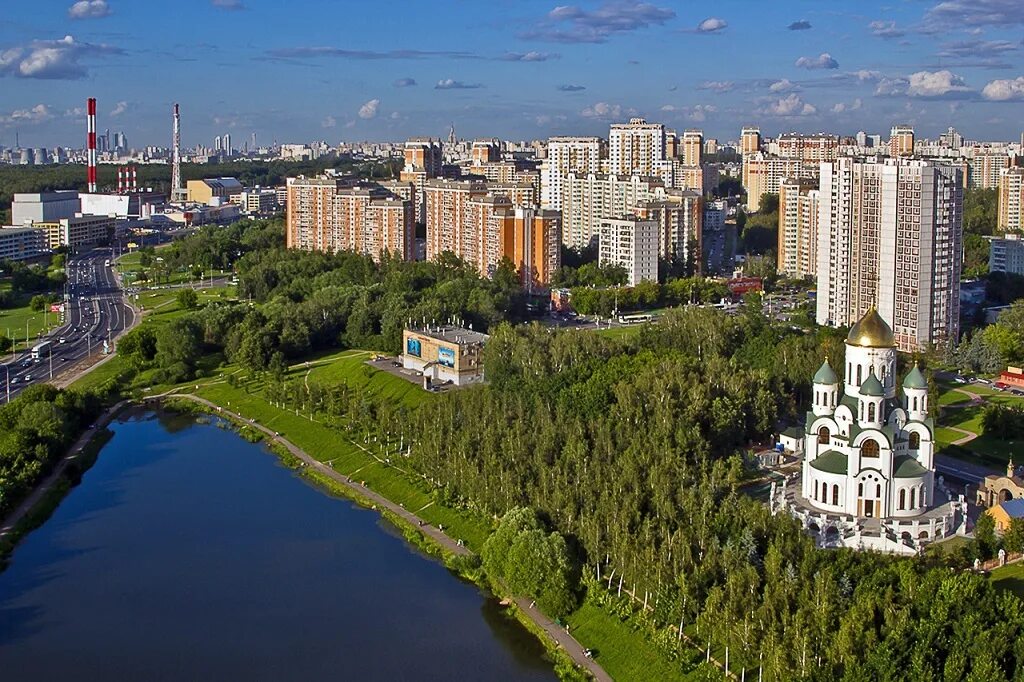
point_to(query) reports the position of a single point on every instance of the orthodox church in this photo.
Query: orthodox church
(868, 452)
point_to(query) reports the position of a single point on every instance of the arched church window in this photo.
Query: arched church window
(858, 374)
(860, 489)
(878, 491)
(869, 448)
(914, 440)
(921, 497)
(914, 401)
(835, 494)
(903, 498)
(913, 498)
(823, 435)
(871, 412)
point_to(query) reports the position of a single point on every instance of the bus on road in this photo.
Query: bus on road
(40, 350)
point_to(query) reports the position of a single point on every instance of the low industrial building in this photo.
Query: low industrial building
(44, 207)
(22, 243)
(445, 353)
(212, 191)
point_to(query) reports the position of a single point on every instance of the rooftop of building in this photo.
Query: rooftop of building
(450, 333)
(1014, 508)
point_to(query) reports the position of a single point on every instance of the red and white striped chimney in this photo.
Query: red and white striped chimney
(91, 152)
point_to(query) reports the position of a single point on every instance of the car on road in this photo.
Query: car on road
(62, 340)
(28, 377)
(14, 380)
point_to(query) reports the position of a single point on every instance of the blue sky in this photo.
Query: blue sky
(349, 70)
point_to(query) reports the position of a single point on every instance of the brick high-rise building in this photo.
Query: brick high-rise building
(324, 214)
(482, 224)
(1011, 199)
(693, 148)
(798, 228)
(750, 141)
(901, 141)
(485, 151)
(763, 174)
(424, 159)
(814, 148)
(890, 235)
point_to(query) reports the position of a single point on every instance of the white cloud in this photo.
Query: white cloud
(935, 84)
(52, 59)
(452, 84)
(395, 116)
(784, 85)
(1004, 89)
(668, 107)
(36, 114)
(716, 86)
(602, 110)
(119, 109)
(369, 110)
(89, 9)
(866, 76)
(711, 25)
(329, 122)
(886, 29)
(822, 61)
(840, 107)
(891, 86)
(699, 112)
(788, 106)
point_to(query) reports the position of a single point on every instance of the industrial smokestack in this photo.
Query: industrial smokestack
(91, 147)
(176, 158)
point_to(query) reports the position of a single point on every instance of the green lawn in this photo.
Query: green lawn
(1010, 578)
(951, 397)
(622, 332)
(625, 653)
(350, 367)
(984, 449)
(13, 320)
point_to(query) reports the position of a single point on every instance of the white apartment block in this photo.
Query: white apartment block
(587, 199)
(890, 235)
(566, 155)
(1006, 254)
(798, 228)
(1011, 197)
(632, 243)
(636, 148)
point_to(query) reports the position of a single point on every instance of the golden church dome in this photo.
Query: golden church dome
(871, 331)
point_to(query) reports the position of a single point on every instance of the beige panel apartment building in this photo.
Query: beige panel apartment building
(890, 235)
(1011, 198)
(798, 228)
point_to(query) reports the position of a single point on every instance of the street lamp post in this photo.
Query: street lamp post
(27, 344)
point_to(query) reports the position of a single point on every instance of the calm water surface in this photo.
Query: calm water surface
(187, 553)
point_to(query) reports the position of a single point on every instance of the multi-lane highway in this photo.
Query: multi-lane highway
(95, 313)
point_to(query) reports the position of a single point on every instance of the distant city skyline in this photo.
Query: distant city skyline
(517, 70)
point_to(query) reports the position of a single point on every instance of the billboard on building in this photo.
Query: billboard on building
(412, 347)
(445, 356)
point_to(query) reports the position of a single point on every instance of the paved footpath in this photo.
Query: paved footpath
(561, 637)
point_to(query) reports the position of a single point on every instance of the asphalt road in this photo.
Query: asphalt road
(96, 311)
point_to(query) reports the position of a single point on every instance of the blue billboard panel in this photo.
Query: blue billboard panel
(412, 347)
(445, 356)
